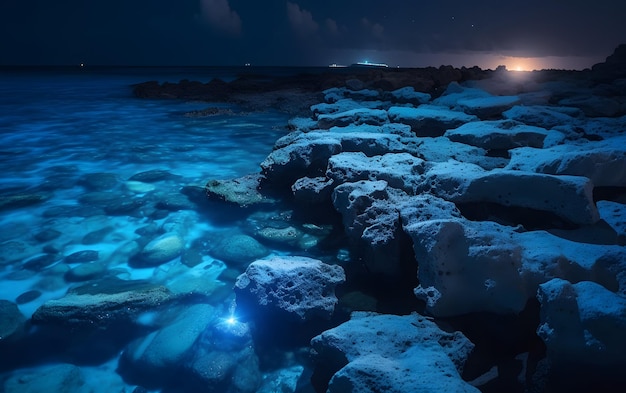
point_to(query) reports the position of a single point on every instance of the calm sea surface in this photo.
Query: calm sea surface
(89, 175)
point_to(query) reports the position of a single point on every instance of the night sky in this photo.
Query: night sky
(530, 34)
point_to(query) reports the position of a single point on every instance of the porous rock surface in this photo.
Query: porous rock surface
(300, 287)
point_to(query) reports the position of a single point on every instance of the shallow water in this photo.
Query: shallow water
(70, 144)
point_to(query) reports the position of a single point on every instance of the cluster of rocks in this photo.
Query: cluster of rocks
(508, 204)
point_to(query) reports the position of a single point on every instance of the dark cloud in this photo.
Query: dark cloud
(301, 32)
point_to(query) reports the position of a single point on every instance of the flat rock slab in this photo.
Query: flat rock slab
(487, 107)
(299, 287)
(429, 120)
(615, 215)
(102, 303)
(543, 116)
(498, 135)
(353, 116)
(604, 162)
(569, 197)
(242, 191)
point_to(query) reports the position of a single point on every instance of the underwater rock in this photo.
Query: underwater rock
(429, 120)
(28, 296)
(40, 262)
(61, 378)
(569, 197)
(86, 271)
(102, 303)
(47, 235)
(162, 249)
(152, 176)
(160, 355)
(238, 249)
(284, 380)
(242, 191)
(498, 135)
(11, 320)
(582, 326)
(99, 181)
(300, 287)
(82, 256)
(175, 202)
(288, 236)
(21, 200)
(139, 187)
(601, 161)
(378, 352)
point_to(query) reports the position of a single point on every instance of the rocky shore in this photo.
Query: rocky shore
(438, 229)
(498, 197)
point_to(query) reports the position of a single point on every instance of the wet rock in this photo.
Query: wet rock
(99, 181)
(429, 120)
(288, 236)
(14, 251)
(139, 187)
(102, 303)
(152, 176)
(62, 378)
(283, 380)
(16, 201)
(175, 202)
(28, 296)
(162, 249)
(47, 235)
(82, 256)
(158, 356)
(377, 352)
(243, 191)
(97, 236)
(343, 105)
(238, 249)
(299, 287)
(40, 262)
(86, 271)
(11, 321)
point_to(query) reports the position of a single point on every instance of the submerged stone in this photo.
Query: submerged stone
(238, 249)
(162, 249)
(11, 320)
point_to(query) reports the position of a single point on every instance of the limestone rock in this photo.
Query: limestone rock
(399, 170)
(487, 107)
(429, 120)
(354, 116)
(569, 197)
(408, 95)
(390, 353)
(300, 287)
(543, 116)
(602, 162)
(615, 215)
(582, 324)
(498, 135)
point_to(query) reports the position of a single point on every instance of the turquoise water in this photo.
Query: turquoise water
(89, 175)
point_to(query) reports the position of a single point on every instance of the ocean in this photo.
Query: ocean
(89, 175)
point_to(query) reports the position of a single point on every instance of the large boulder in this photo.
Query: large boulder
(389, 353)
(429, 120)
(543, 116)
(583, 328)
(568, 197)
(602, 161)
(299, 288)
